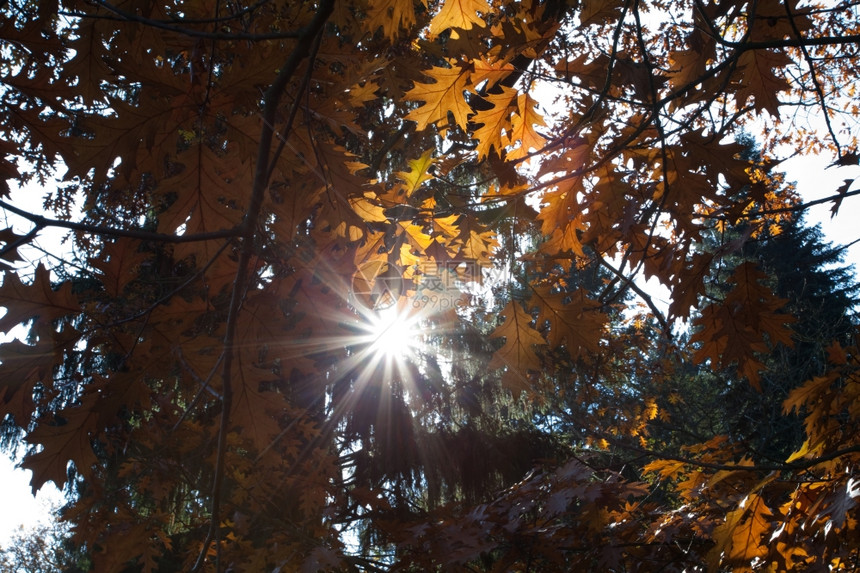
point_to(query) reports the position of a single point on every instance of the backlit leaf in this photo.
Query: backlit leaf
(445, 94)
(518, 355)
(459, 14)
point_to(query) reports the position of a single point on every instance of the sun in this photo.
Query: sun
(393, 335)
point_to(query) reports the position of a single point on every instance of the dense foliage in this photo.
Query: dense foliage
(252, 190)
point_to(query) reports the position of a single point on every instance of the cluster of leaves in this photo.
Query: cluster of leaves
(238, 178)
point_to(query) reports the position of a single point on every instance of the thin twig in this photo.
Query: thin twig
(161, 25)
(816, 84)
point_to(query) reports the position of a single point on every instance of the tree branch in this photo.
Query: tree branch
(42, 222)
(792, 208)
(248, 226)
(793, 466)
(161, 25)
(628, 282)
(814, 77)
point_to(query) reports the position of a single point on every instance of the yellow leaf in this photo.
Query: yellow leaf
(475, 241)
(524, 122)
(417, 174)
(361, 94)
(651, 408)
(491, 71)
(740, 537)
(416, 235)
(408, 260)
(445, 228)
(443, 95)
(478, 246)
(664, 468)
(566, 239)
(367, 210)
(458, 14)
(494, 122)
(804, 449)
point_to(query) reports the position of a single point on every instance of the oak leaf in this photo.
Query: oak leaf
(87, 66)
(598, 11)
(148, 125)
(523, 128)
(518, 354)
(491, 71)
(22, 366)
(494, 122)
(566, 239)
(118, 264)
(771, 21)
(68, 439)
(8, 237)
(743, 324)
(841, 191)
(208, 192)
(756, 79)
(255, 412)
(368, 209)
(573, 318)
(289, 203)
(740, 538)
(415, 234)
(806, 394)
(393, 16)
(445, 94)
(688, 66)
(666, 469)
(461, 14)
(446, 228)
(37, 299)
(475, 242)
(418, 174)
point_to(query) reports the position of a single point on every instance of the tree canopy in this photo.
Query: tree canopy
(252, 190)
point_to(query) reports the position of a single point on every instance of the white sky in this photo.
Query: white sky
(20, 508)
(814, 181)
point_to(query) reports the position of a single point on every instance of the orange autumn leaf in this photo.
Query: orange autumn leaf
(523, 127)
(445, 94)
(462, 14)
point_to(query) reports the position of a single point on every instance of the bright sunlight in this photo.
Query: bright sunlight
(393, 335)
